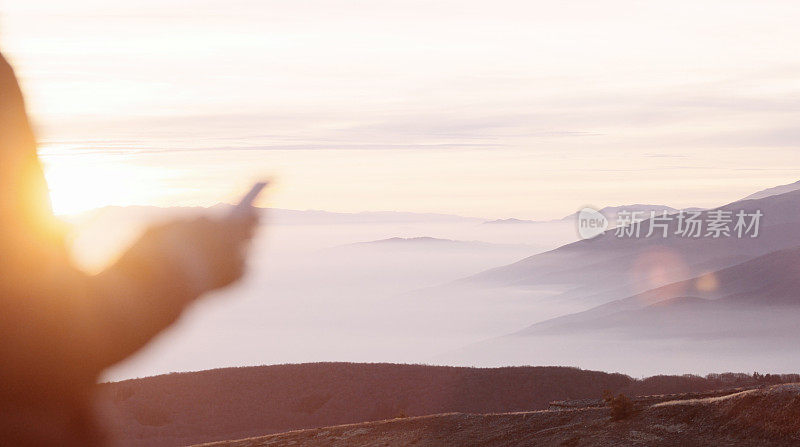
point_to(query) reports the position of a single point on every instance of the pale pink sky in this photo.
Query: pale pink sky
(495, 109)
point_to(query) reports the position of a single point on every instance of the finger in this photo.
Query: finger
(244, 225)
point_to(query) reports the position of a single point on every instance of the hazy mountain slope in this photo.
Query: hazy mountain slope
(608, 267)
(755, 418)
(689, 320)
(771, 279)
(743, 317)
(782, 189)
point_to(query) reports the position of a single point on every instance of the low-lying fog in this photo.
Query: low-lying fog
(327, 287)
(383, 287)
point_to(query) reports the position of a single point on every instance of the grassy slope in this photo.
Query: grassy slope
(179, 409)
(186, 408)
(761, 417)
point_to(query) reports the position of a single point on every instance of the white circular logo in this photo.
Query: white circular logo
(591, 223)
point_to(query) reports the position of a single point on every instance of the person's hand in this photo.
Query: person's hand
(206, 253)
(217, 248)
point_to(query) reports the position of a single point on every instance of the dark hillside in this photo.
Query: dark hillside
(186, 408)
(178, 409)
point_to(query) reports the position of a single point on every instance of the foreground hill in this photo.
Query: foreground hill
(759, 417)
(188, 408)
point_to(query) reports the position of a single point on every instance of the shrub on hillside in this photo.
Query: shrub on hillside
(621, 406)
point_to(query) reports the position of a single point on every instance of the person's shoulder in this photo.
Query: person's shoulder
(8, 79)
(5, 68)
(4, 63)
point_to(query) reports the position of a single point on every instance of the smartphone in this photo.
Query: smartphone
(247, 201)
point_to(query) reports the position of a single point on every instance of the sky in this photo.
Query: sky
(526, 109)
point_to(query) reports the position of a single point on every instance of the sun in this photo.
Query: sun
(82, 183)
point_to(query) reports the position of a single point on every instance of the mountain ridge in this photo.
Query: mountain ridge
(593, 267)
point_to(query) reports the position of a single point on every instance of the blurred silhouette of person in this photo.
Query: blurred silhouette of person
(59, 327)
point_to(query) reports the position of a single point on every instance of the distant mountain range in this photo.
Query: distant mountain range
(278, 215)
(285, 216)
(609, 267)
(291, 216)
(611, 212)
(512, 221)
(727, 297)
(433, 243)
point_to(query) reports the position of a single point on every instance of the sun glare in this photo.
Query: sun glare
(85, 183)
